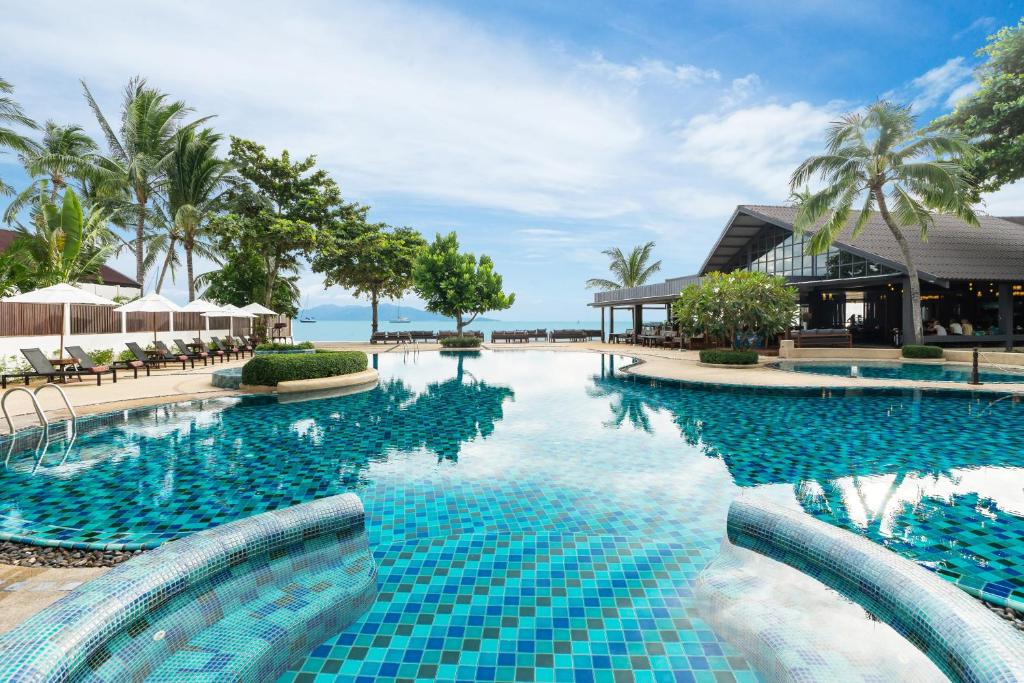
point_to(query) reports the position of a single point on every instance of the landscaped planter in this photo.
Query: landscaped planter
(367, 378)
(228, 378)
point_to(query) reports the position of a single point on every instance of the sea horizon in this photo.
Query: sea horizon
(359, 330)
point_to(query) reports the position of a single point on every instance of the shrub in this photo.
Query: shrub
(461, 342)
(270, 369)
(278, 346)
(922, 351)
(728, 357)
(125, 356)
(741, 307)
(102, 356)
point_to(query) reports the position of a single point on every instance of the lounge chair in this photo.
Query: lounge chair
(41, 367)
(141, 360)
(171, 357)
(244, 346)
(229, 347)
(213, 353)
(182, 348)
(88, 366)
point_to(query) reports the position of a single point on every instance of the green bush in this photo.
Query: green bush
(922, 351)
(728, 357)
(461, 342)
(278, 346)
(125, 356)
(102, 356)
(270, 369)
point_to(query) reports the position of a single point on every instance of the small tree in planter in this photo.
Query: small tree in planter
(456, 284)
(740, 306)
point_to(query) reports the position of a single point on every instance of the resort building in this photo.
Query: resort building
(109, 285)
(972, 278)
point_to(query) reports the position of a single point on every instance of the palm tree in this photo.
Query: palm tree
(65, 153)
(64, 243)
(12, 113)
(877, 157)
(141, 149)
(631, 271)
(196, 182)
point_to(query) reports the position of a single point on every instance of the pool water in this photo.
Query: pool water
(537, 515)
(878, 369)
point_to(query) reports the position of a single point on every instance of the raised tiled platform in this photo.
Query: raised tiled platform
(242, 601)
(957, 632)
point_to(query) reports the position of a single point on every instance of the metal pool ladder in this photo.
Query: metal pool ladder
(43, 422)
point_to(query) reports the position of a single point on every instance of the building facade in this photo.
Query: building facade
(972, 278)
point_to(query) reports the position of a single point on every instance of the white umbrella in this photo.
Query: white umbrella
(151, 303)
(258, 309)
(200, 306)
(60, 294)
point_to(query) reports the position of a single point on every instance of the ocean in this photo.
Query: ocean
(359, 330)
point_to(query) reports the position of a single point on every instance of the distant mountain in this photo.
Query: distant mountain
(385, 312)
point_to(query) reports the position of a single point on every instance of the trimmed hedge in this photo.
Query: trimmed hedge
(272, 368)
(728, 357)
(922, 351)
(461, 342)
(278, 346)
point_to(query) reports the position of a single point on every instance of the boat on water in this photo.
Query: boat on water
(399, 318)
(307, 317)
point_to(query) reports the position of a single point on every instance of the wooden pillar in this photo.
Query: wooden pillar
(638, 321)
(1006, 313)
(602, 324)
(611, 319)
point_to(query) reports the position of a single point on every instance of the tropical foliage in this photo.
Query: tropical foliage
(376, 261)
(877, 158)
(630, 270)
(11, 114)
(456, 284)
(742, 307)
(994, 115)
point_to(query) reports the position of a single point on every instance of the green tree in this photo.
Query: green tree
(63, 244)
(377, 261)
(240, 281)
(878, 157)
(197, 180)
(11, 114)
(456, 284)
(630, 270)
(741, 306)
(65, 154)
(994, 115)
(276, 213)
(140, 150)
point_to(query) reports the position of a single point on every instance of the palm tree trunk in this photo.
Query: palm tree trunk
(191, 274)
(373, 306)
(911, 336)
(140, 238)
(166, 266)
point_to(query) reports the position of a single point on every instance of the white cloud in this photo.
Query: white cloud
(649, 70)
(1006, 201)
(945, 84)
(981, 23)
(740, 90)
(758, 147)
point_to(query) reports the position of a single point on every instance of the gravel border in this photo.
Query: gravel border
(27, 555)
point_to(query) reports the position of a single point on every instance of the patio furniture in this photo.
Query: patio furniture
(212, 353)
(229, 347)
(244, 346)
(540, 334)
(141, 359)
(623, 337)
(822, 337)
(513, 336)
(166, 355)
(41, 367)
(88, 366)
(378, 337)
(192, 352)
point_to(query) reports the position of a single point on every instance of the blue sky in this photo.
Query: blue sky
(541, 132)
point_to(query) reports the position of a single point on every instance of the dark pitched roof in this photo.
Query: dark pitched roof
(954, 250)
(108, 275)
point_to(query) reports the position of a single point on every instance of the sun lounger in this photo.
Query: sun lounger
(229, 347)
(88, 366)
(244, 346)
(183, 349)
(140, 359)
(169, 356)
(213, 353)
(41, 367)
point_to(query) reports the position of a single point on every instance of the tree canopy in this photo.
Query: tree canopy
(994, 115)
(630, 270)
(375, 261)
(456, 284)
(740, 307)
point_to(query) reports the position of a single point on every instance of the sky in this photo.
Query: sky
(542, 133)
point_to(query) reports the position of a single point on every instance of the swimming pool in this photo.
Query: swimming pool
(884, 369)
(537, 513)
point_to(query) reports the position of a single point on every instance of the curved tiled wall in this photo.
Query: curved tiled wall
(241, 601)
(956, 631)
